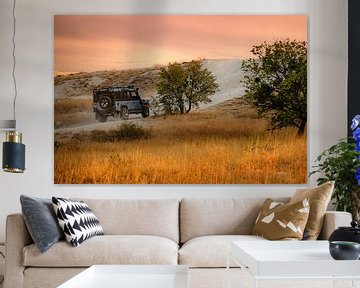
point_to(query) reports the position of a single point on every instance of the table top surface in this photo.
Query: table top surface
(291, 259)
(131, 276)
(286, 250)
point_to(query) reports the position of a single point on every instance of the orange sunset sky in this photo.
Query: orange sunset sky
(93, 43)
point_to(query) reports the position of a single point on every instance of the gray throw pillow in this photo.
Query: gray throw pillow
(41, 221)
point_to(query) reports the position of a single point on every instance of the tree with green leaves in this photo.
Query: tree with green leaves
(200, 85)
(171, 88)
(275, 83)
(183, 86)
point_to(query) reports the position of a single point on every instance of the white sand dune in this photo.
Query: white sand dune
(228, 75)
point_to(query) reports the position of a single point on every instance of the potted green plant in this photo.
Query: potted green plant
(341, 163)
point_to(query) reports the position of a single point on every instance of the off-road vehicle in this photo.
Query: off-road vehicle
(118, 101)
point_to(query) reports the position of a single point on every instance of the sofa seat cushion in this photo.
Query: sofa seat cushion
(108, 249)
(211, 251)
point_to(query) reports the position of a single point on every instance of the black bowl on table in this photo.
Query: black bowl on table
(344, 250)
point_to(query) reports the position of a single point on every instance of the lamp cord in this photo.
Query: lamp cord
(14, 60)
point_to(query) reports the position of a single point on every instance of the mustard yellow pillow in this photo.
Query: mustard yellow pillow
(319, 198)
(279, 221)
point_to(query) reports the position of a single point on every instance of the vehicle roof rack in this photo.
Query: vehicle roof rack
(105, 88)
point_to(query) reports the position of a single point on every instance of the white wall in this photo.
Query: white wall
(327, 89)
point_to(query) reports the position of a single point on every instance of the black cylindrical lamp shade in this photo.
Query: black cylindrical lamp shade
(13, 157)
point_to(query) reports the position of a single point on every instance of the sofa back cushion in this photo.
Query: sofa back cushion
(158, 217)
(200, 217)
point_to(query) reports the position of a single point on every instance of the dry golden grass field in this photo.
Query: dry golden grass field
(223, 144)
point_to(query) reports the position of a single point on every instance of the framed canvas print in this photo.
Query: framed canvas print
(180, 99)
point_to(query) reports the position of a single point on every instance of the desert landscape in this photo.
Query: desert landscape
(223, 142)
(223, 99)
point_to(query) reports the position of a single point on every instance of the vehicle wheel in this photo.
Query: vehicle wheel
(101, 117)
(124, 114)
(145, 112)
(105, 102)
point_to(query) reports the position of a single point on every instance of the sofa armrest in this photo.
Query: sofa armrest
(333, 220)
(17, 237)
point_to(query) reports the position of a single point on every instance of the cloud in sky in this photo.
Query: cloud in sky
(90, 43)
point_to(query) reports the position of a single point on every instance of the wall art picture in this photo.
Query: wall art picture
(180, 99)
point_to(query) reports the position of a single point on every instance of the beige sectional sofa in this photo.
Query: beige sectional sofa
(194, 232)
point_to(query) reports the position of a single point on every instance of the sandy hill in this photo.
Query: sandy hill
(227, 72)
(82, 84)
(73, 91)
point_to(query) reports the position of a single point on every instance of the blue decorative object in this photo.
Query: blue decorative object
(357, 147)
(356, 134)
(355, 126)
(355, 122)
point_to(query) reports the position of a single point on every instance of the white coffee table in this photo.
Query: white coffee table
(292, 260)
(131, 276)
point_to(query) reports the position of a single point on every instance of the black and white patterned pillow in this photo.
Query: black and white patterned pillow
(77, 220)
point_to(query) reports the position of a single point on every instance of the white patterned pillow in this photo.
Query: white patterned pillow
(77, 220)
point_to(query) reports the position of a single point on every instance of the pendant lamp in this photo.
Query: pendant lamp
(13, 160)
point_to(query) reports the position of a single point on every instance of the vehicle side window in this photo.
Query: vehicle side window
(126, 94)
(133, 95)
